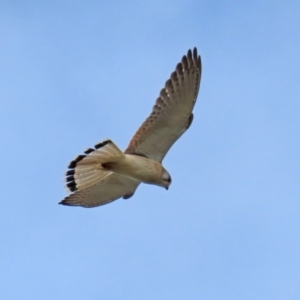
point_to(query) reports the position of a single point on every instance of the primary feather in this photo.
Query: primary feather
(172, 112)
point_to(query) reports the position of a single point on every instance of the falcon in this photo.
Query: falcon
(104, 173)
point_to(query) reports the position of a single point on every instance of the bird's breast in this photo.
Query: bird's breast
(139, 168)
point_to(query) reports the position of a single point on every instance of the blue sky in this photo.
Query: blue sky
(76, 72)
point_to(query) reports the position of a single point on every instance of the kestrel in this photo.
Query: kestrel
(104, 173)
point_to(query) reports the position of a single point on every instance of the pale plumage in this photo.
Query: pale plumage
(104, 173)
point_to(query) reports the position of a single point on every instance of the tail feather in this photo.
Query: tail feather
(87, 169)
(85, 181)
(104, 152)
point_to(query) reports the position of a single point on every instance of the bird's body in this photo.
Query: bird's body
(105, 173)
(139, 168)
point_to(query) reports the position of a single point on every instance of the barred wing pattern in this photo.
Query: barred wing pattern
(172, 113)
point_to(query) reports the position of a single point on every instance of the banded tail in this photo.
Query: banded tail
(87, 169)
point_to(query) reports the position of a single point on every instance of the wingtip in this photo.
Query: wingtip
(70, 172)
(66, 203)
(89, 150)
(103, 143)
(184, 62)
(74, 162)
(71, 184)
(195, 53)
(199, 62)
(196, 57)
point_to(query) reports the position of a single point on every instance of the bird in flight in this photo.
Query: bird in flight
(104, 173)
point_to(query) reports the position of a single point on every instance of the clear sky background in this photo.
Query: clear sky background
(76, 72)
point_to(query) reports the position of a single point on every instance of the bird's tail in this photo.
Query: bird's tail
(88, 168)
(104, 152)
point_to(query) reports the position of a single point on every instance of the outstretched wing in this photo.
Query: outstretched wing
(92, 184)
(108, 189)
(172, 114)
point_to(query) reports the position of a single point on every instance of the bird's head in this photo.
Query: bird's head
(166, 179)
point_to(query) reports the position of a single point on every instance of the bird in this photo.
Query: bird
(104, 173)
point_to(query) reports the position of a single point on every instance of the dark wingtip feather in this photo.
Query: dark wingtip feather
(168, 83)
(179, 68)
(73, 163)
(102, 144)
(70, 178)
(190, 121)
(89, 150)
(127, 196)
(200, 60)
(174, 76)
(65, 202)
(195, 53)
(184, 62)
(70, 172)
(72, 186)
